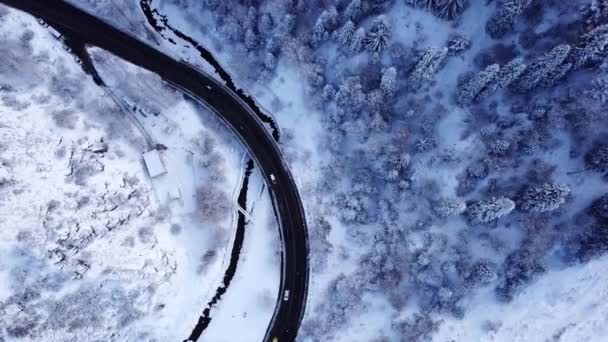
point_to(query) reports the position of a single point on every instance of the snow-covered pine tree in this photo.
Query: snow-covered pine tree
(270, 61)
(379, 33)
(350, 94)
(504, 18)
(388, 83)
(542, 198)
(595, 13)
(489, 210)
(468, 91)
(507, 74)
(265, 24)
(449, 207)
(353, 11)
(544, 71)
(555, 76)
(429, 61)
(426, 4)
(482, 272)
(251, 19)
(457, 44)
(324, 24)
(376, 101)
(250, 40)
(344, 35)
(599, 89)
(444, 9)
(450, 9)
(379, 6)
(593, 47)
(356, 43)
(329, 92)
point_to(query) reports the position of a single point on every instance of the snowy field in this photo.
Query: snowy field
(91, 246)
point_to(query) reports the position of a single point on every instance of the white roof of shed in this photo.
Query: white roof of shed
(154, 164)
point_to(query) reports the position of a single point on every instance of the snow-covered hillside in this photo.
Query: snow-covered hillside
(91, 246)
(564, 305)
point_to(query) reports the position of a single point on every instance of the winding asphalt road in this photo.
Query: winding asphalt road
(238, 116)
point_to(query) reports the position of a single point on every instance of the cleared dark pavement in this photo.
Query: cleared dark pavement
(238, 116)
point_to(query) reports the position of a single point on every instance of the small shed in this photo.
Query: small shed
(154, 164)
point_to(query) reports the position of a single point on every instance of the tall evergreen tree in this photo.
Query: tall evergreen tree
(353, 11)
(593, 47)
(377, 38)
(545, 70)
(388, 83)
(429, 62)
(324, 24)
(542, 198)
(449, 207)
(344, 35)
(356, 43)
(469, 91)
(489, 210)
(450, 9)
(504, 18)
(507, 74)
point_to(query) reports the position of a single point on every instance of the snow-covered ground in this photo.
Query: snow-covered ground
(247, 303)
(564, 305)
(92, 247)
(247, 307)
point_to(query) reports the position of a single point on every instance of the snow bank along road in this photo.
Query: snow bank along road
(238, 116)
